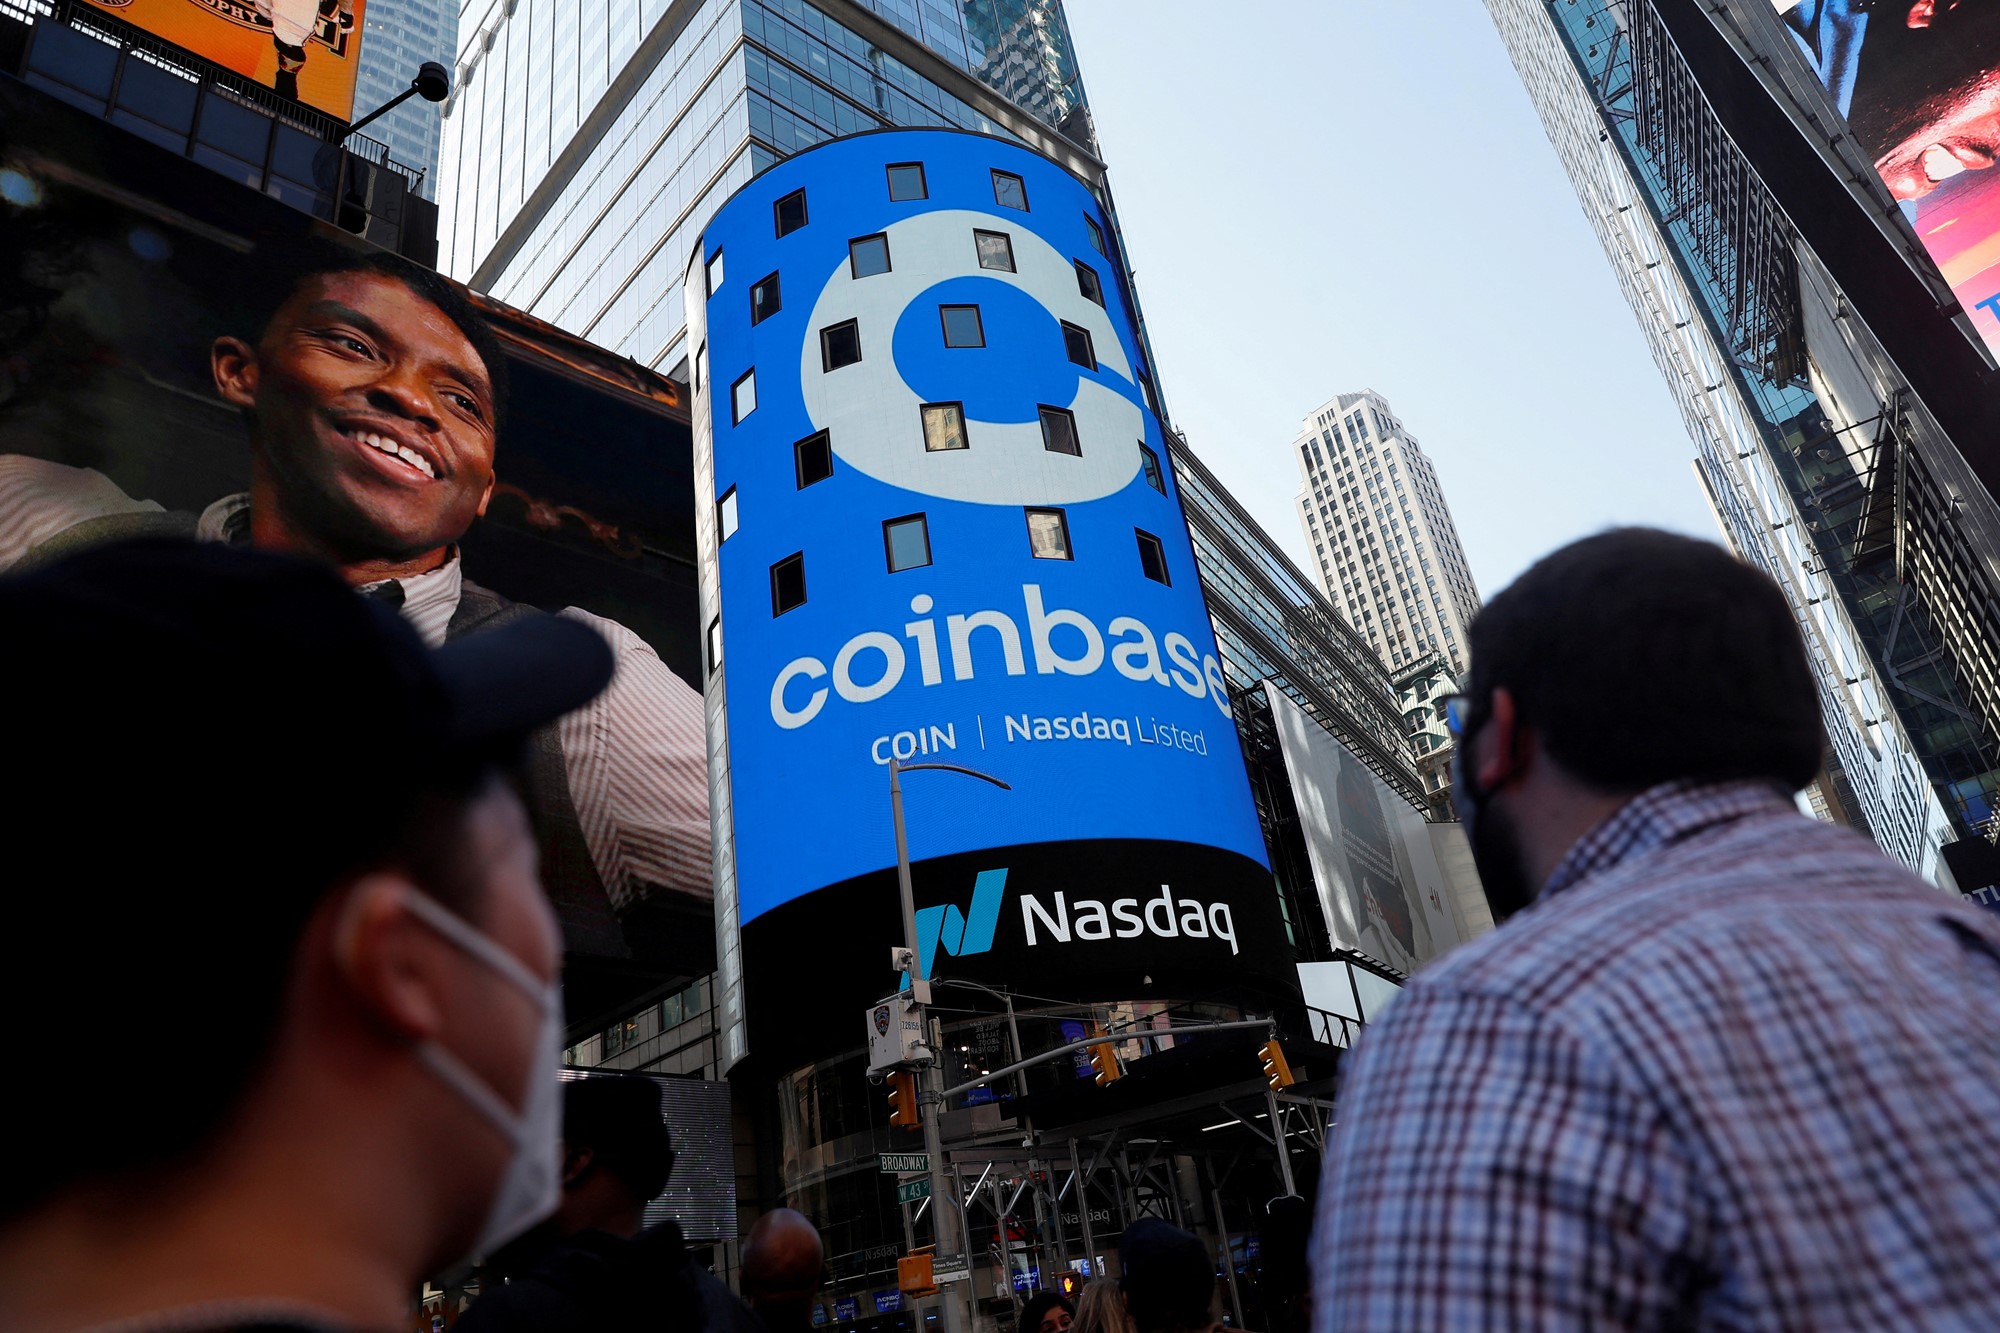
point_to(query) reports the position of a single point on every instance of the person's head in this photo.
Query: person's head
(784, 1261)
(267, 834)
(1100, 1308)
(1167, 1278)
(1620, 662)
(1046, 1312)
(616, 1154)
(374, 393)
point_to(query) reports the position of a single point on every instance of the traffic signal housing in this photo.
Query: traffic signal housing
(914, 1276)
(1070, 1283)
(1104, 1063)
(1276, 1072)
(903, 1111)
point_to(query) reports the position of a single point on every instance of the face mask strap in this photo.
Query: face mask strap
(470, 1086)
(455, 928)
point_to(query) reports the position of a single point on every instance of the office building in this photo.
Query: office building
(1421, 689)
(1385, 550)
(1833, 390)
(397, 37)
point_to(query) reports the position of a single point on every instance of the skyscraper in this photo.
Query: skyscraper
(1769, 298)
(398, 36)
(1385, 550)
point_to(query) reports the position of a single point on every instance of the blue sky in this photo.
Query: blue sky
(1320, 196)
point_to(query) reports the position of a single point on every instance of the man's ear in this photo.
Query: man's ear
(233, 362)
(389, 959)
(576, 1165)
(486, 496)
(1504, 746)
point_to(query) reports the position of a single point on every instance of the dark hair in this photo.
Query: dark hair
(1038, 1306)
(1642, 657)
(1167, 1276)
(617, 1118)
(280, 268)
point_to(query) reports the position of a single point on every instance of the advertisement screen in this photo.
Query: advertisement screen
(1919, 82)
(162, 330)
(303, 49)
(1379, 881)
(947, 531)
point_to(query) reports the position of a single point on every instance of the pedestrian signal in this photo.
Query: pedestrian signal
(1069, 1282)
(913, 1275)
(903, 1111)
(1276, 1072)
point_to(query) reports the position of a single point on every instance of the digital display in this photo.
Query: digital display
(309, 50)
(946, 530)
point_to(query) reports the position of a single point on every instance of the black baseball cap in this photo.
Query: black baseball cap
(195, 695)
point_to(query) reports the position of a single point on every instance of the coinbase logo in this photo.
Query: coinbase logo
(869, 407)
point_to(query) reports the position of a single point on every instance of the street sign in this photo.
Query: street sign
(914, 1163)
(950, 1268)
(909, 1191)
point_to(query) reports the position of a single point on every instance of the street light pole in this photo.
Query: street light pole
(932, 1098)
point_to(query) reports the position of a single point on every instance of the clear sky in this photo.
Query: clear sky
(1321, 196)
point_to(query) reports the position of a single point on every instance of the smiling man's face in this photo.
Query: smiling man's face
(372, 421)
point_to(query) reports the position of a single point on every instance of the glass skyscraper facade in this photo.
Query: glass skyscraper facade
(1741, 321)
(398, 36)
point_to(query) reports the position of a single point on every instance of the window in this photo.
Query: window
(962, 327)
(944, 426)
(714, 272)
(868, 255)
(1048, 534)
(906, 182)
(812, 459)
(1146, 388)
(1152, 556)
(1059, 431)
(908, 543)
(725, 514)
(1009, 191)
(1087, 283)
(715, 644)
(1076, 345)
(743, 396)
(1096, 234)
(996, 250)
(764, 299)
(1150, 463)
(790, 212)
(788, 583)
(839, 345)
(700, 366)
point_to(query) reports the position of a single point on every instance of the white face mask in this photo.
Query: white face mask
(532, 1187)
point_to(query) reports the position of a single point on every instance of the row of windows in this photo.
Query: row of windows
(868, 256)
(908, 184)
(906, 544)
(944, 429)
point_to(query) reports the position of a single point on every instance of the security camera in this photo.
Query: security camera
(902, 960)
(433, 81)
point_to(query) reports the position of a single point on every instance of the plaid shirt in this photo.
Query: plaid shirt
(1733, 1070)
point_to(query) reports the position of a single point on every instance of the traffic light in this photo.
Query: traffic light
(903, 1112)
(1069, 1282)
(914, 1276)
(1276, 1072)
(1104, 1063)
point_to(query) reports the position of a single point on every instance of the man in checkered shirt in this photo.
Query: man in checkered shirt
(1726, 1067)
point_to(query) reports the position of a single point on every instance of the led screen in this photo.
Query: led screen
(1919, 82)
(304, 49)
(946, 531)
(135, 289)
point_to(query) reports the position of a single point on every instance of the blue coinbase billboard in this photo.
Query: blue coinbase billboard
(945, 527)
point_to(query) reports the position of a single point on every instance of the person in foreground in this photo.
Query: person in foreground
(595, 1264)
(784, 1261)
(269, 830)
(1726, 1067)
(1167, 1279)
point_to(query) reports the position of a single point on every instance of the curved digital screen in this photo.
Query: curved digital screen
(947, 531)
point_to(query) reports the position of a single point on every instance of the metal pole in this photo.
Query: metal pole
(1228, 1254)
(1083, 1208)
(930, 1101)
(1278, 1138)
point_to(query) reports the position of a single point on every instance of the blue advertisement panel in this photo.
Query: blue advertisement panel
(947, 530)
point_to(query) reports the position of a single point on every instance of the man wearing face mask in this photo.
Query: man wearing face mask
(1721, 1066)
(269, 830)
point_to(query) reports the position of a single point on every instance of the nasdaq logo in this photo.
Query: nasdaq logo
(961, 933)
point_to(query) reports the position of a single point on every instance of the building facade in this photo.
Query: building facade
(1385, 550)
(1421, 689)
(1749, 333)
(397, 37)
